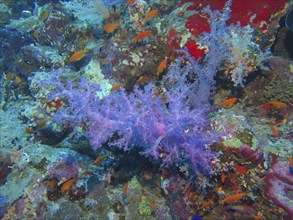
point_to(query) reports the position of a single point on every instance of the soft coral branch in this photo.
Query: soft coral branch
(165, 126)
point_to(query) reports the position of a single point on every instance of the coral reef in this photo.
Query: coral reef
(130, 123)
(280, 186)
(243, 13)
(144, 110)
(11, 43)
(87, 12)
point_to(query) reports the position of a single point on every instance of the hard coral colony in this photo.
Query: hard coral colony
(145, 110)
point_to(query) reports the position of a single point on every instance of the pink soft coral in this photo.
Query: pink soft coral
(280, 186)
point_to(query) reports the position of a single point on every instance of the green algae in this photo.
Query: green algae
(144, 207)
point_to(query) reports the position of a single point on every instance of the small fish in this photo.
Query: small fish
(67, 184)
(206, 204)
(141, 35)
(116, 87)
(152, 204)
(125, 188)
(223, 177)
(130, 2)
(109, 28)
(197, 217)
(149, 15)
(241, 170)
(228, 102)
(269, 105)
(78, 55)
(266, 106)
(233, 198)
(274, 130)
(100, 159)
(277, 104)
(162, 66)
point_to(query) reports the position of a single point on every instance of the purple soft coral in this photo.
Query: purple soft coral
(169, 126)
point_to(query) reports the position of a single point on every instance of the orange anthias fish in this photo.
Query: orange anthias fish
(278, 104)
(223, 177)
(206, 204)
(233, 198)
(100, 159)
(109, 28)
(67, 184)
(78, 55)
(153, 204)
(269, 105)
(228, 102)
(241, 170)
(130, 2)
(274, 130)
(141, 35)
(266, 106)
(149, 15)
(162, 66)
(116, 87)
(125, 188)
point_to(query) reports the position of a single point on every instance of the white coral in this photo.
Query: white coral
(90, 12)
(94, 74)
(245, 55)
